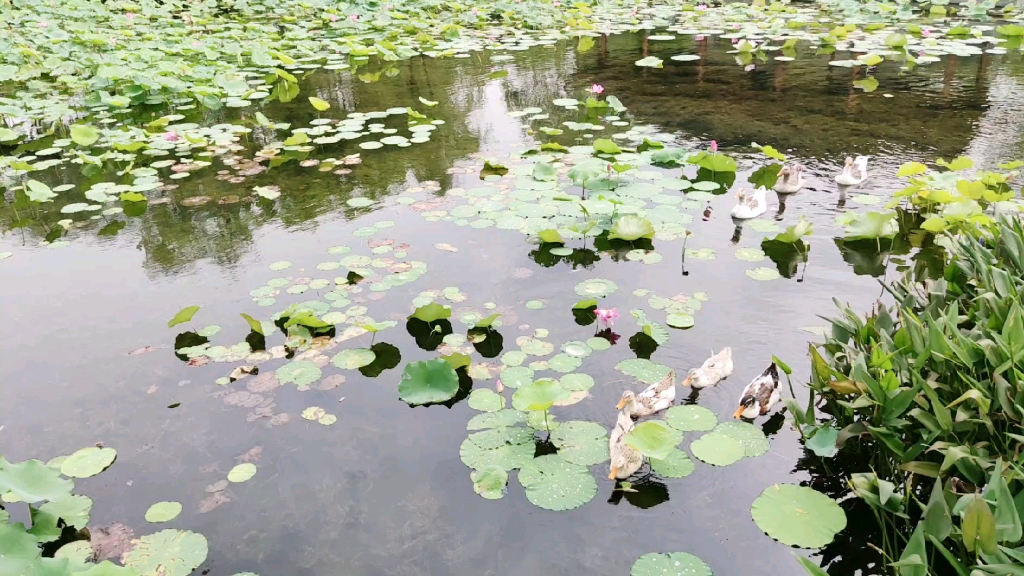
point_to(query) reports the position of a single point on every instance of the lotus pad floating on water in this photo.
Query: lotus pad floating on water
(242, 473)
(691, 418)
(88, 462)
(301, 372)
(671, 564)
(490, 481)
(751, 437)
(427, 382)
(717, 449)
(596, 287)
(762, 273)
(163, 512)
(579, 442)
(798, 516)
(508, 456)
(499, 419)
(554, 484)
(353, 358)
(486, 400)
(643, 370)
(168, 553)
(676, 464)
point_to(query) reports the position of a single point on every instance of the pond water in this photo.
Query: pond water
(383, 490)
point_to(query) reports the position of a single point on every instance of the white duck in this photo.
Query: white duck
(625, 459)
(791, 180)
(760, 395)
(714, 369)
(854, 171)
(655, 398)
(750, 206)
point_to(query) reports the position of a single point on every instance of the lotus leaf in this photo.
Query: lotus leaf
(564, 363)
(500, 419)
(751, 437)
(717, 449)
(537, 396)
(490, 481)
(300, 372)
(432, 312)
(88, 462)
(427, 382)
(762, 273)
(554, 484)
(507, 456)
(671, 564)
(630, 228)
(242, 473)
(650, 62)
(516, 376)
(596, 287)
(576, 382)
(643, 370)
(353, 358)
(580, 442)
(872, 226)
(679, 320)
(676, 465)
(798, 516)
(183, 315)
(167, 553)
(513, 358)
(537, 347)
(486, 400)
(163, 512)
(73, 509)
(750, 254)
(690, 418)
(597, 343)
(654, 439)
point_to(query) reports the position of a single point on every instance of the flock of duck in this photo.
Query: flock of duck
(790, 181)
(757, 399)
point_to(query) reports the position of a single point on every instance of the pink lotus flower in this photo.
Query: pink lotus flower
(699, 38)
(131, 15)
(475, 10)
(197, 44)
(333, 18)
(597, 89)
(171, 136)
(702, 7)
(926, 33)
(735, 40)
(607, 316)
(43, 24)
(714, 146)
(556, 3)
(354, 17)
(389, 7)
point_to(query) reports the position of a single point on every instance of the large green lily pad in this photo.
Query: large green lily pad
(717, 449)
(554, 484)
(88, 462)
(353, 358)
(168, 553)
(428, 381)
(691, 418)
(671, 564)
(581, 442)
(644, 370)
(797, 515)
(498, 419)
(751, 437)
(32, 481)
(507, 456)
(537, 396)
(676, 465)
(654, 439)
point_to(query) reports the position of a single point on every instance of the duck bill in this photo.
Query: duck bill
(738, 413)
(620, 405)
(614, 473)
(686, 381)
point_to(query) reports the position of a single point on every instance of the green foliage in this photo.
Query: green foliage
(432, 312)
(427, 382)
(932, 386)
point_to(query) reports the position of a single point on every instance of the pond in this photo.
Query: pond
(452, 209)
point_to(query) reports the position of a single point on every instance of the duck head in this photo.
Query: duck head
(627, 402)
(747, 404)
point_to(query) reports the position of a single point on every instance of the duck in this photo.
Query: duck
(854, 171)
(655, 398)
(760, 395)
(625, 459)
(749, 206)
(713, 370)
(791, 180)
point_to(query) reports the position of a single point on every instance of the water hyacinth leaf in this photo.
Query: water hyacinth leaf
(554, 484)
(653, 439)
(717, 449)
(353, 358)
(595, 287)
(676, 465)
(643, 370)
(798, 516)
(429, 381)
(536, 396)
(823, 443)
(88, 462)
(432, 312)
(84, 134)
(32, 481)
(183, 315)
(486, 400)
(580, 442)
(167, 553)
(490, 481)
(242, 473)
(630, 228)
(671, 564)
(163, 512)
(690, 418)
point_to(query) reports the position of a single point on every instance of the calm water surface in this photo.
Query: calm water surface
(383, 491)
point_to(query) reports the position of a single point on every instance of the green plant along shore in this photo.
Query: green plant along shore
(932, 388)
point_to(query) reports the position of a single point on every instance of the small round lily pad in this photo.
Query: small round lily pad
(671, 564)
(163, 512)
(689, 418)
(596, 287)
(88, 462)
(717, 449)
(763, 273)
(242, 472)
(554, 484)
(353, 358)
(676, 465)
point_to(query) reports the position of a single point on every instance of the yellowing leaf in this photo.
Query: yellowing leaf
(320, 105)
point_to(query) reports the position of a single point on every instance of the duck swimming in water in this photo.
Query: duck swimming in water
(713, 370)
(655, 398)
(854, 171)
(760, 395)
(791, 180)
(749, 205)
